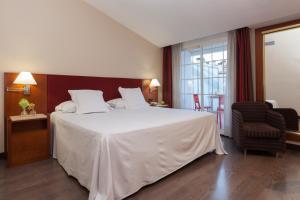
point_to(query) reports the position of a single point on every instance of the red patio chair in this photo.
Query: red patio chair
(198, 106)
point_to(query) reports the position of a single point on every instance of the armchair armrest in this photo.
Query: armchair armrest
(275, 119)
(237, 117)
(291, 118)
(237, 126)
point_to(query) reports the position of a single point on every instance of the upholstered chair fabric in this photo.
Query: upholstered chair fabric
(255, 126)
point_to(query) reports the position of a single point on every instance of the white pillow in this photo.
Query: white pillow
(88, 101)
(117, 103)
(66, 107)
(109, 106)
(133, 98)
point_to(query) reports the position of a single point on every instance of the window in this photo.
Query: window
(203, 72)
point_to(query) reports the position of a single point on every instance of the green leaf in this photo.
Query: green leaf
(23, 103)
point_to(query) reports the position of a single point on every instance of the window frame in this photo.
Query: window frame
(203, 50)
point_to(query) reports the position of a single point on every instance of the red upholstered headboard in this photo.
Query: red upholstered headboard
(58, 86)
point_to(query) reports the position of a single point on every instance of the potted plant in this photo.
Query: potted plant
(23, 103)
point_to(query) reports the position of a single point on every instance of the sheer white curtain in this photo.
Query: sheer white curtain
(176, 63)
(199, 67)
(193, 60)
(230, 82)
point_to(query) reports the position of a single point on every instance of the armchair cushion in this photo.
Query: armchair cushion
(260, 130)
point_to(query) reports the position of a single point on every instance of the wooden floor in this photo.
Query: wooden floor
(259, 176)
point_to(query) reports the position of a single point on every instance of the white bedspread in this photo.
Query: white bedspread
(115, 154)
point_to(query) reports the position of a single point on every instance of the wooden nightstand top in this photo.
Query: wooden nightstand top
(161, 105)
(27, 117)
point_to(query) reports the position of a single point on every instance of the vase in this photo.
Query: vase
(24, 112)
(32, 112)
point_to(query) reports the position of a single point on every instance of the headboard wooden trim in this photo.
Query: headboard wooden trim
(51, 86)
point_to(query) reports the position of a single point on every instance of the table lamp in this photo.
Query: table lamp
(26, 79)
(154, 84)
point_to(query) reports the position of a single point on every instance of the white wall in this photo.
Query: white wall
(282, 68)
(70, 37)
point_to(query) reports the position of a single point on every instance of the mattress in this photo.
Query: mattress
(115, 154)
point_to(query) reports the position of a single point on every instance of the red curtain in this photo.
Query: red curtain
(167, 75)
(243, 64)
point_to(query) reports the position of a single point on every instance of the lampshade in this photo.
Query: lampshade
(154, 83)
(25, 78)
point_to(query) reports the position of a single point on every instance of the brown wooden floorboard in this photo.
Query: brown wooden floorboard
(230, 177)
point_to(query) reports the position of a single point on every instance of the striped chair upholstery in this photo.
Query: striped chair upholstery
(289, 114)
(255, 126)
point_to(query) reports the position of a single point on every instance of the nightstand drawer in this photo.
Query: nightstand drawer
(28, 141)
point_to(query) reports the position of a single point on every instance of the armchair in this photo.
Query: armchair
(256, 127)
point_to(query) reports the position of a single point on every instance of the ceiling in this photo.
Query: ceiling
(167, 22)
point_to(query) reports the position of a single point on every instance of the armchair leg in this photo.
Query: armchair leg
(245, 153)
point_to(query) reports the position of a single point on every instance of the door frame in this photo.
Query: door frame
(259, 52)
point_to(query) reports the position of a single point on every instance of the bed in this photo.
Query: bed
(115, 154)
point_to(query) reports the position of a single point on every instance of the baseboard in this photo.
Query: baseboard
(2, 156)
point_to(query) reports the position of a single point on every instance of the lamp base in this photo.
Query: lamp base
(27, 90)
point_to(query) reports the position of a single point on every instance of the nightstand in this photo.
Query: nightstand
(28, 139)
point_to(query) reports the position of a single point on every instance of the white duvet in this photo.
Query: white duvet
(115, 154)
